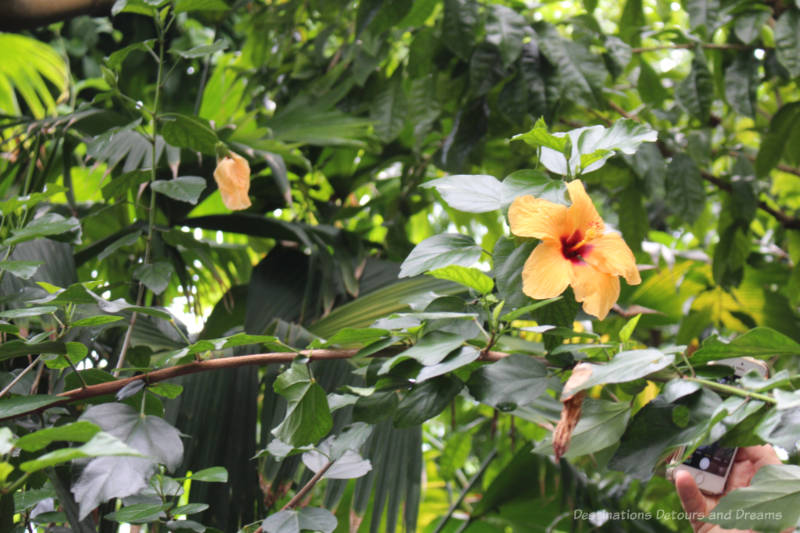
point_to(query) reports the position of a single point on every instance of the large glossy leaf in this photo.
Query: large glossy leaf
(625, 366)
(505, 28)
(601, 425)
(308, 417)
(770, 503)
(696, 91)
(759, 342)
(440, 251)
(460, 26)
(514, 381)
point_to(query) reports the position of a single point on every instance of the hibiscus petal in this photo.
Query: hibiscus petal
(546, 273)
(609, 253)
(597, 290)
(534, 217)
(582, 215)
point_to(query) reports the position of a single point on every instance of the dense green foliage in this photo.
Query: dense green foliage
(386, 141)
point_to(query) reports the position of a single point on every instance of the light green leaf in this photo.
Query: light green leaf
(139, 513)
(214, 474)
(21, 269)
(759, 342)
(468, 276)
(308, 417)
(601, 425)
(98, 320)
(624, 367)
(47, 225)
(74, 432)
(770, 503)
(440, 251)
(27, 67)
(28, 311)
(193, 133)
(100, 445)
(627, 330)
(203, 50)
(182, 6)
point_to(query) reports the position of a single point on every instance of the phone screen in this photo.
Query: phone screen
(712, 458)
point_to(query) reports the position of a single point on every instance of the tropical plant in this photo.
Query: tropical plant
(384, 333)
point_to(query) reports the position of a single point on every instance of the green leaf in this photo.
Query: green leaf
(17, 348)
(32, 200)
(781, 128)
(581, 73)
(759, 342)
(514, 381)
(100, 445)
(632, 22)
(189, 508)
(156, 276)
(28, 312)
(624, 367)
(633, 219)
(203, 50)
(167, 390)
(696, 92)
(770, 503)
(139, 513)
(214, 474)
(453, 361)
(295, 521)
(182, 6)
(308, 417)
(477, 193)
(684, 186)
(540, 136)
(485, 69)
(118, 187)
(467, 276)
(460, 26)
(741, 84)
(429, 350)
(98, 320)
(535, 183)
(649, 84)
(505, 28)
(426, 400)
(389, 110)
(627, 330)
(115, 59)
(747, 26)
(601, 425)
(19, 405)
(21, 269)
(185, 188)
(439, 251)
(26, 72)
(47, 225)
(787, 41)
(188, 132)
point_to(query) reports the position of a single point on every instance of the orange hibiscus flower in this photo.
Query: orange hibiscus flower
(233, 179)
(575, 250)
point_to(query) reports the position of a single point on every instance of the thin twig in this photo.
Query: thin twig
(291, 504)
(465, 491)
(19, 377)
(125, 343)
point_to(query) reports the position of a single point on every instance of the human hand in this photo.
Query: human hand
(696, 504)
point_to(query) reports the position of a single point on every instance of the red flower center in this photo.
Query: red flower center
(574, 247)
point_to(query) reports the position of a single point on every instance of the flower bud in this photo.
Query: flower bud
(233, 179)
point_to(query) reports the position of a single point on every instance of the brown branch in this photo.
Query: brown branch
(291, 504)
(16, 15)
(260, 359)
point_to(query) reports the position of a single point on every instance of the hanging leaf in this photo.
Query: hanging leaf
(460, 26)
(787, 41)
(505, 28)
(308, 417)
(684, 185)
(156, 276)
(188, 132)
(185, 188)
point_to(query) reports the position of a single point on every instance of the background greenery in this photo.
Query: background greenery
(118, 257)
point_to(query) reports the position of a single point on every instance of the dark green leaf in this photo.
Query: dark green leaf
(505, 28)
(47, 225)
(389, 110)
(28, 312)
(787, 41)
(188, 132)
(214, 474)
(509, 383)
(203, 50)
(781, 126)
(119, 187)
(741, 84)
(19, 405)
(156, 276)
(440, 251)
(115, 60)
(459, 26)
(426, 401)
(185, 188)
(308, 417)
(649, 84)
(684, 186)
(430, 350)
(455, 360)
(98, 320)
(696, 92)
(485, 68)
(508, 262)
(189, 508)
(748, 25)
(139, 513)
(601, 425)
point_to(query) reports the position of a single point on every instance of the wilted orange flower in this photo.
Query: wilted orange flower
(233, 179)
(575, 250)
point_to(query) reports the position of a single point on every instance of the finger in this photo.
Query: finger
(741, 474)
(692, 500)
(758, 455)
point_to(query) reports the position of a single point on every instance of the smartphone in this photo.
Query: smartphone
(711, 464)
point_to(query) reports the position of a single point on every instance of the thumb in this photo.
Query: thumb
(693, 501)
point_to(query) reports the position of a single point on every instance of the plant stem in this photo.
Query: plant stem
(465, 491)
(151, 213)
(732, 390)
(19, 377)
(291, 504)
